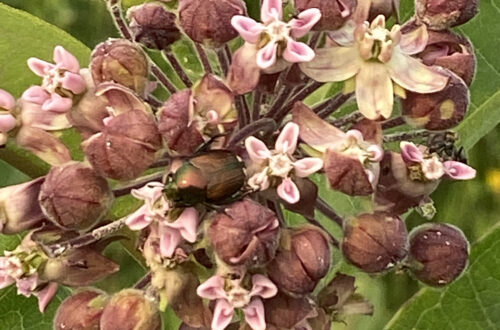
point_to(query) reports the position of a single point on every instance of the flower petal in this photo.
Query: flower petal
(304, 22)
(7, 122)
(333, 64)
(459, 171)
(307, 166)
(255, 315)
(287, 140)
(57, 103)
(26, 285)
(65, 60)
(212, 289)
(33, 115)
(139, 219)
(410, 152)
(44, 145)
(244, 73)
(415, 41)
(256, 149)
(374, 92)
(263, 287)
(223, 314)
(45, 295)
(5, 281)
(271, 10)
(35, 94)
(187, 224)
(288, 191)
(345, 35)
(170, 239)
(7, 101)
(73, 82)
(414, 76)
(248, 29)
(376, 153)
(39, 67)
(266, 57)
(298, 52)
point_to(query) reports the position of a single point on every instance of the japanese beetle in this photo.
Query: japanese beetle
(212, 177)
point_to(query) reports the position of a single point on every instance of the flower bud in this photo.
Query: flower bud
(209, 21)
(334, 13)
(438, 111)
(439, 15)
(375, 242)
(438, 253)
(120, 61)
(74, 196)
(387, 8)
(302, 261)
(19, 208)
(81, 311)
(245, 234)
(283, 311)
(126, 147)
(153, 26)
(130, 309)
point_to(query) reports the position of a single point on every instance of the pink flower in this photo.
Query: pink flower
(377, 60)
(280, 163)
(7, 120)
(232, 295)
(61, 81)
(432, 167)
(279, 36)
(156, 208)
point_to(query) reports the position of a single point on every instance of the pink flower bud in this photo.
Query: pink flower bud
(375, 242)
(334, 13)
(74, 196)
(209, 21)
(439, 15)
(438, 253)
(130, 309)
(302, 262)
(153, 26)
(80, 311)
(245, 234)
(120, 61)
(126, 147)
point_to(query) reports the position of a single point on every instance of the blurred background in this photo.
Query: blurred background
(474, 206)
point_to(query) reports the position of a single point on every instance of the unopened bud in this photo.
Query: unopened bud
(387, 8)
(126, 147)
(130, 309)
(439, 15)
(74, 196)
(283, 311)
(302, 261)
(120, 61)
(153, 26)
(81, 311)
(334, 13)
(209, 21)
(245, 234)
(438, 253)
(375, 242)
(438, 111)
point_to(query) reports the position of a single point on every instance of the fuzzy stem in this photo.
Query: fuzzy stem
(123, 190)
(349, 119)
(257, 101)
(324, 208)
(223, 60)
(178, 69)
(406, 136)
(283, 94)
(163, 79)
(327, 108)
(264, 124)
(203, 58)
(394, 122)
(95, 235)
(243, 110)
(300, 96)
(152, 100)
(143, 282)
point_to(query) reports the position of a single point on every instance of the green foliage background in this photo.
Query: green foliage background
(473, 206)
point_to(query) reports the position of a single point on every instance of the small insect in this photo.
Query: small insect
(444, 145)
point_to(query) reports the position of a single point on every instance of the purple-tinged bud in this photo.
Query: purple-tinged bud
(130, 309)
(440, 15)
(302, 261)
(153, 25)
(19, 208)
(285, 312)
(438, 111)
(375, 242)
(334, 13)
(126, 147)
(175, 125)
(371, 130)
(81, 311)
(120, 61)
(209, 21)
(245, 234)
(74, 196)
(438, 253)
(387, 8)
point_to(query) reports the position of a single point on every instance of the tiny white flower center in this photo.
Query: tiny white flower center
(432, 168)
(238, 296)
(52, 80)
(278, 30)
(280, 165)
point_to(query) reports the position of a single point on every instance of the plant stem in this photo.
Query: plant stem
(257, 101)
(123, 190)
(264, 124)
(327, 108)
(243, 110)
(203, 58)
(163, 79)
(405, 136)
(154, 101)
(223, 60)
(300, 96)
(178, 69)
(143, 282)
(394, 122)
(349, 119)
(324, 208)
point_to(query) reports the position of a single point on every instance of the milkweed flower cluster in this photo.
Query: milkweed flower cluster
(201, 184)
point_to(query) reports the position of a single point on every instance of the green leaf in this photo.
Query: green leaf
(470, 303)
